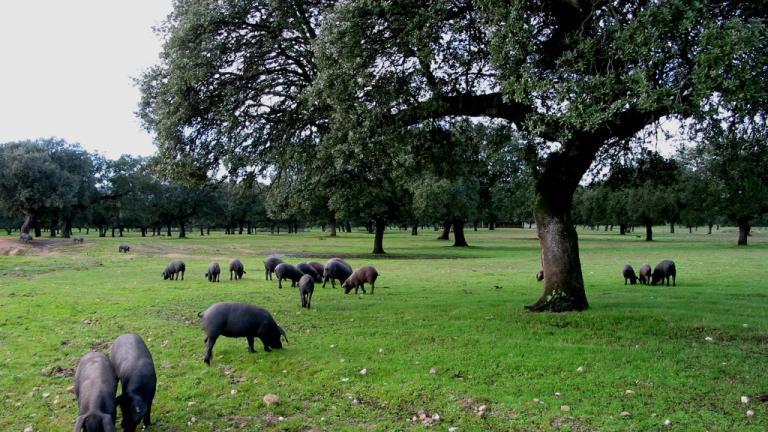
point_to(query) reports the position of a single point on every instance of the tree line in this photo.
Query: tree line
(54, 186)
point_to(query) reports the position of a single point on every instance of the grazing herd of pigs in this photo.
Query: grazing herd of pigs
(130, 361)
(661, 273)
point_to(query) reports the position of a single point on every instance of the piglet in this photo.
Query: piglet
(306, 289)
(629, 275)
(359, 278)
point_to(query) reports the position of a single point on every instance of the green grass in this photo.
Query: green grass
(459, 311)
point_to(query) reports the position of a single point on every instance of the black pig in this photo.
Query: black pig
(95, 388)
(663, 271)
(240, 320)
(136, 371)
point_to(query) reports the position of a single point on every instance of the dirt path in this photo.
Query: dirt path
(14, 247)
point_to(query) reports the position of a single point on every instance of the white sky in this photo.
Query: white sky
(66, 69)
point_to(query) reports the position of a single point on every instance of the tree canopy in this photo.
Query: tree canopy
(254, 85)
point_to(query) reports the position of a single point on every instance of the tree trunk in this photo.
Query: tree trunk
(120, 231)
(446, 231)
(671, 227)
(349, 227)
(710, 229)
(54, 227)
(378, 240)
(202, 232)
(458, 234)
(415, 229)
(492, 225)
(113, 231)
(622, 229)
(27, 222)
(648, 231)
(240, 232)
(743, 231)
(143, 231)
(333, 228)
(474, 225)
(690, 229)
(168, 232)
(250, 228)
(66, 228)
(563, 284)
(182, 229)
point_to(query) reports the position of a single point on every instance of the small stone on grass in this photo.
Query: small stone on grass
(271, 399)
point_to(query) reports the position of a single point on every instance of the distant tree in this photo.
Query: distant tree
(440, 199)
(45, 178)
(734, 152)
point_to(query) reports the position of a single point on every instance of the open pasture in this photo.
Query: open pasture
(446, 333)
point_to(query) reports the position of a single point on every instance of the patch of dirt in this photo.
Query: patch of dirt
(570, 424)
(240, 422)
(38, 246)
(58, 372)
(100, 345)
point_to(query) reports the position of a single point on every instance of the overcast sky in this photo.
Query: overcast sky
(66, 69)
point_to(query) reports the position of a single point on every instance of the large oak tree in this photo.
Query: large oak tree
(249, 83)
(578, 77)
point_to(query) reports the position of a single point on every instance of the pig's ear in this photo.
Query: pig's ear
(282, 332)
(79, 424)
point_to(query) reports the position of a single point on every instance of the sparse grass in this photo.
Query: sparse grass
(459, 311)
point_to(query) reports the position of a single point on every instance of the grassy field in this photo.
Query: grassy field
(446, 333)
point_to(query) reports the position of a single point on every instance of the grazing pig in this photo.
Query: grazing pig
(136, 371)
(269, 266)
(306, 289)
(359, 278)
(95, 388)
(78, 240)
(319, 268)
(645, 274)
(123, 248)
(173, 269)
(629, 275)
(663, 271)
(240, 320)
(236, 269)
(308, 269)
(214, 271)
(25, 237)
(540, 275)
(287, 271)
(336, 269)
